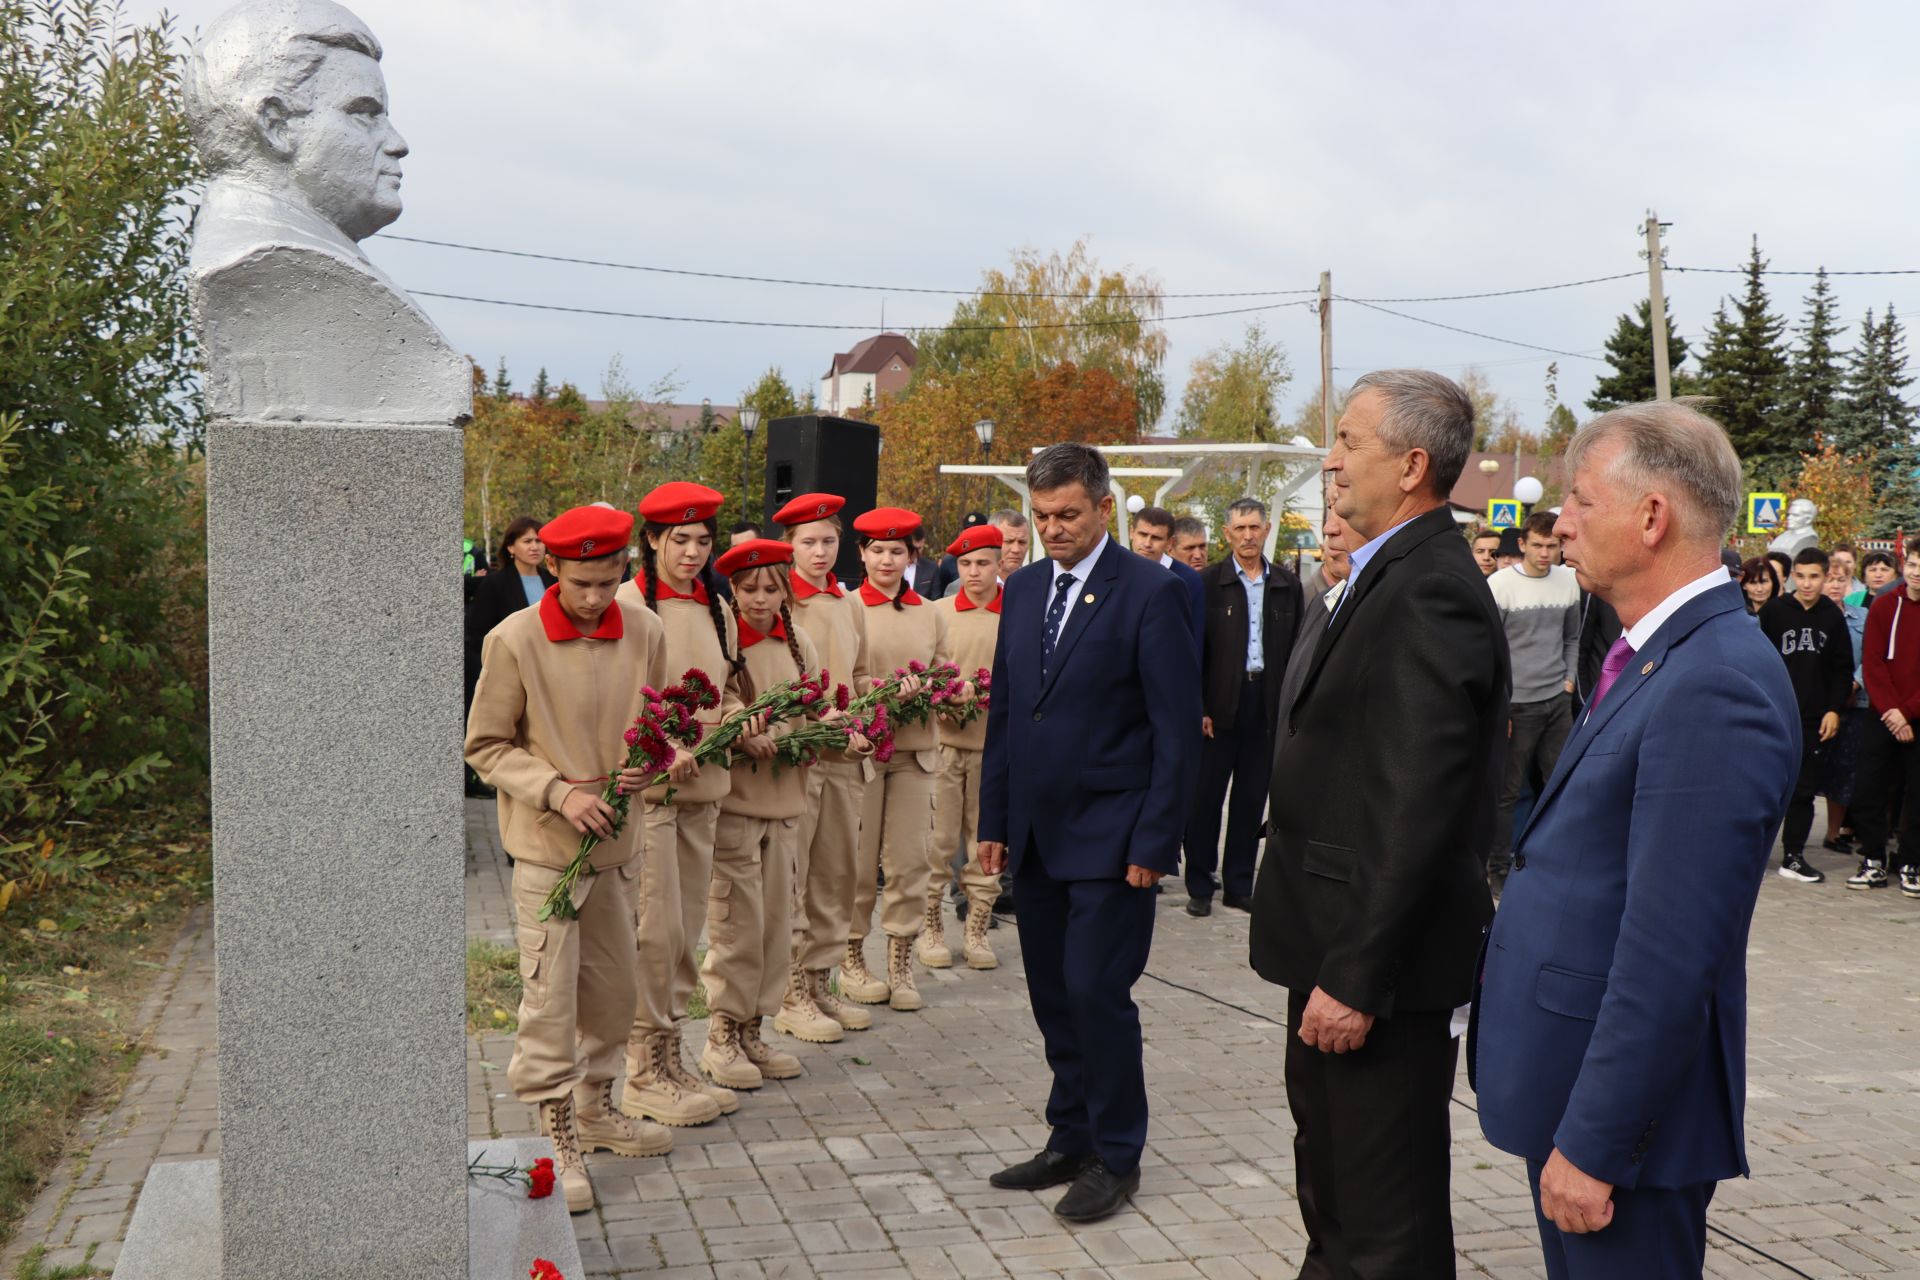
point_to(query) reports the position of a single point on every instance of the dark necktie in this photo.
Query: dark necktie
(1055, 612)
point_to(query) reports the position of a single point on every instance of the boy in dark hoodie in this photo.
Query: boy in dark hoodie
(1810, 631)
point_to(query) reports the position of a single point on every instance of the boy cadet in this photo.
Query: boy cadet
(559, 684)
(973, 625)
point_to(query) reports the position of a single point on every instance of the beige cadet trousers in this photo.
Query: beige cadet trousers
(826, 847)
(576, 982)
(749, 922)
(956, 813)
(896, 829)
(679, 853)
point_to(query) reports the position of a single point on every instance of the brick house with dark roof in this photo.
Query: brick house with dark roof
(877, 367)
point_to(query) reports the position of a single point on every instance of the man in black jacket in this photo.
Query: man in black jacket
(1372, 898)
(1810, 633)
(1252, 612)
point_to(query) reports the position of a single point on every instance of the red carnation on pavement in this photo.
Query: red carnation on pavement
(540, 1179)
(544, 1270)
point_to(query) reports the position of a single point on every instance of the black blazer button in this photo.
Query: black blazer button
(1039, 715)
(1519, 862)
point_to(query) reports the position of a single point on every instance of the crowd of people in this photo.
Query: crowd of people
(785, 874)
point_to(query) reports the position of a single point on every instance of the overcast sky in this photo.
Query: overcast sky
(1413, 149)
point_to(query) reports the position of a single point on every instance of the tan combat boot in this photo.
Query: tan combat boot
(602, 1127)
(856, 980)
(557, 1122)
(774, 1064)
(724, 1060)
(933, 949)
(724, 1098)
(850, 1016)
(978, 950)
(800, 1017)
(905, 997)
(655, 1093)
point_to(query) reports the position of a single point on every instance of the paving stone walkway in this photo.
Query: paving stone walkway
(875, 1162)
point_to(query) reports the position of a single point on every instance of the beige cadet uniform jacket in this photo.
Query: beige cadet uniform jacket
(972, 630)
(917, 632)
(757, 791)
(548, 716)
(692, 642)
(838, 632)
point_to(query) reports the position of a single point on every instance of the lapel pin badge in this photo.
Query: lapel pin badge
(1647, 670)
(1088, 599)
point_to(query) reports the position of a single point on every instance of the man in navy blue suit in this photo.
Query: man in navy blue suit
(1152, 536)
(1092, 750)
(1609, 1032)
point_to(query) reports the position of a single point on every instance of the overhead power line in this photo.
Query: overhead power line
(1473, 333)
(1741, 271)
(1504, 293)
(834, 284)
(805, 324)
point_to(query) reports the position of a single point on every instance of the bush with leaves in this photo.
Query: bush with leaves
(102, 621)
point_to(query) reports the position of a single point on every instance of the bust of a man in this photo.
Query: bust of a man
(288, 108)
(1799, 533)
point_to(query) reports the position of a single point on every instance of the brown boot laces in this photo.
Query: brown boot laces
(900, 962)
(566, 1145)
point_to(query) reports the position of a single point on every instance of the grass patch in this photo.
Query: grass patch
(493, 987)
(34, 1267)
(76, 960)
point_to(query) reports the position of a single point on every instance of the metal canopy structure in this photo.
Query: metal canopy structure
(1180, 467)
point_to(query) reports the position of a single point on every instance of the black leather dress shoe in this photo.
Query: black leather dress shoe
(1048, 1169)
(1237, 902)
(1199, 906)
(1096, 1194)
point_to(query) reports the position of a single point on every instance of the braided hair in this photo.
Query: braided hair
(650, 564)
(866, 542)
(786, 620)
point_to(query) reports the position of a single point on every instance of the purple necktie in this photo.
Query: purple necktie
(1615, 662)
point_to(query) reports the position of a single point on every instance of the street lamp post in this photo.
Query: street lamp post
(983, 431)
(749, 423)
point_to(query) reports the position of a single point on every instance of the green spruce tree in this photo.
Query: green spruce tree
(1815, 378)
(1877, 421)
(502, 384)
(1744, 369)
(1630, 352)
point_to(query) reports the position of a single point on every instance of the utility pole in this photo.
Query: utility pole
(1657, 311)
(1326, 359)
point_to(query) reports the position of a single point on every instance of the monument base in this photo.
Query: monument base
(176, 1225)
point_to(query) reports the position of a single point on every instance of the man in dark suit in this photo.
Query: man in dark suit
(1608, 1042)
(1253, 610)
(1092, 746)
(1151, 536)
(1372, 897)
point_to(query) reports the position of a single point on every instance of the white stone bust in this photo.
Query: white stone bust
(1799, 533)
(288, 108)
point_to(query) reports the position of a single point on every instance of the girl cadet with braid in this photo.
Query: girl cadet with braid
(675, 584)
(750, 911)
(829, 835)
(896, 820)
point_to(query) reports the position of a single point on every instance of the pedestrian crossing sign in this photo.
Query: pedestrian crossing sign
(1764, 511)
(1503, 513)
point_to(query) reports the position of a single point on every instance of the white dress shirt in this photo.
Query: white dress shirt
(1641, 633)
(1080, 569)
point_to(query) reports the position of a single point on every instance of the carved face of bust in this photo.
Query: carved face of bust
(343, 151)
(1800, 514)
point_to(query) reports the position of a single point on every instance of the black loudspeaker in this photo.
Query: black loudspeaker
(818, 454)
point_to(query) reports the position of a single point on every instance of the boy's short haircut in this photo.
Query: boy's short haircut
(1813, 555)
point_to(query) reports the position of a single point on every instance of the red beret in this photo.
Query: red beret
(887, 524)
(809, 506)
(680, 502)
(751, 554)
(978, 538)
(586, 533)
